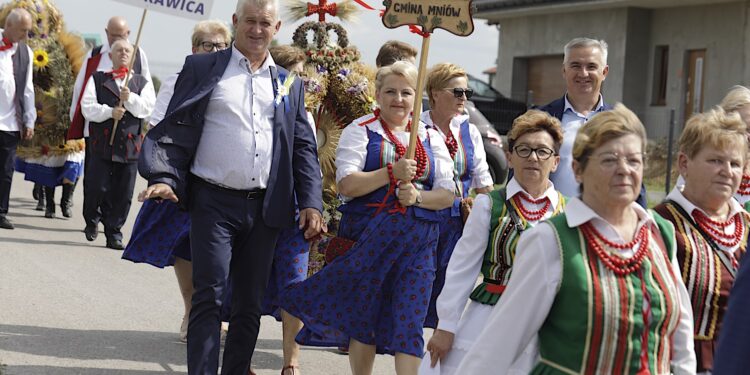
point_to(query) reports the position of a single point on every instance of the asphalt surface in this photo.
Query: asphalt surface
(69, 306)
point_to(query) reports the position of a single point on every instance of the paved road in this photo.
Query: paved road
(68, 306)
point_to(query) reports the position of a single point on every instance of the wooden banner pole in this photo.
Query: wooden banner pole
(414, 135)
(130, 68)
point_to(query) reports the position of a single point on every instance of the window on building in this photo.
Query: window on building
(661, 71)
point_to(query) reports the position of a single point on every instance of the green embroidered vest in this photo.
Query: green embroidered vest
(595, 325)
(501, 248)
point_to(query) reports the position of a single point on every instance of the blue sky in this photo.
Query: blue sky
(166, 39)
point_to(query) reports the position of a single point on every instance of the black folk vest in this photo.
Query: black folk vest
(129, 135)
(20, 71)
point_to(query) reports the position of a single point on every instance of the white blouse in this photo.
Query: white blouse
(480, 173)
(524, 306)
(466, 262)
(351, 152)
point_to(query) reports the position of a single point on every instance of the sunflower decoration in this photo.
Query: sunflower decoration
(41, 59)
(57, 56)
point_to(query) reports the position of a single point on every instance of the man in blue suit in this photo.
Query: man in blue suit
(584, 69)
(235, 148)
(731, 357)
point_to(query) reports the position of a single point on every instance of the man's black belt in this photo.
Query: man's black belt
(257, 193)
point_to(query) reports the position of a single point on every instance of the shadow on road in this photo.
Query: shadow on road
(147, 347)
(47, 229)
(27, 241)
(44, 370)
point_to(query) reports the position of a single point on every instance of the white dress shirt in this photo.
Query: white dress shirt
(166, 90)
(564, 178)
(105, 65)
(480, 174)
(351, 153)
(527, 300)
(238, 127)
(139, 106)
(8, 121)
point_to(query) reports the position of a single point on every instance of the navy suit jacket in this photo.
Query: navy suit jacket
(169, 148)
(732, 355)
(556, 108)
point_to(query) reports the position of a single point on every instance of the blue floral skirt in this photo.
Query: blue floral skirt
(376, 293)
(451, 229)
(161, 232)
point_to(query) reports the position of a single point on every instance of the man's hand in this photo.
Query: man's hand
(311, 221)
(439, 345)
(407, 194)
(118, 112)
(28, 133)
(124, 94)
(158, 191)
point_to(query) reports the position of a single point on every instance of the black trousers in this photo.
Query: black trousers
(95, 213)
(8, 144)
(228, 238)
(109, 185)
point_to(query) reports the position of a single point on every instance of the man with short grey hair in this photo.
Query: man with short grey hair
(98, 60)
(584, 70)
(17, 109)
(240, 160)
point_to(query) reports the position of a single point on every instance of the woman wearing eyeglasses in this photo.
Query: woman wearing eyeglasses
(712, 227)
(598, 284)
(447, 90)
(374, 297)
(488, 245)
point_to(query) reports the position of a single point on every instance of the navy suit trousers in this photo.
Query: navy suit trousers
(228, 238)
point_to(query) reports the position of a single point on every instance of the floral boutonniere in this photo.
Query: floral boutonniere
(283, 84)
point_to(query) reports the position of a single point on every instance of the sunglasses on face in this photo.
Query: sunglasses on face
(459, 92)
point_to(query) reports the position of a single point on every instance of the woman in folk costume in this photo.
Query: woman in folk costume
(738, 100)
(447, 89)
(711, 226)
(374, 296)
(597, 284)
(488, 244)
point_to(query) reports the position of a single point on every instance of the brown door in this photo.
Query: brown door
(696, 69)
(545, 82)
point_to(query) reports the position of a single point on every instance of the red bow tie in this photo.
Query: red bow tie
(7, 44)
(119, 73)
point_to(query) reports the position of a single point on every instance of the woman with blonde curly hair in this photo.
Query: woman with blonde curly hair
(738, 100)
(711, 226)
(373, 298)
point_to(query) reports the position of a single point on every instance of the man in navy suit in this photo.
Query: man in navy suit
(731, 357)
(236, 145)
(584, 69)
